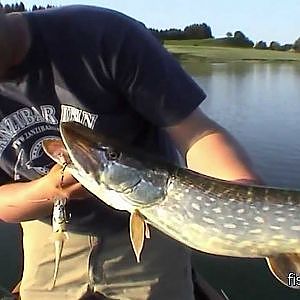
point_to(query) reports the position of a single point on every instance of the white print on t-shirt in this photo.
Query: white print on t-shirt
(23, 131)
(15, 123)
(71, 113)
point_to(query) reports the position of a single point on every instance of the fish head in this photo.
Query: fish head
(103, 167)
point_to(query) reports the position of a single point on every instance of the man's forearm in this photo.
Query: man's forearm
(219, 155)
(24, 201)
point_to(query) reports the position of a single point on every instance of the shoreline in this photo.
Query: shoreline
(229, 54)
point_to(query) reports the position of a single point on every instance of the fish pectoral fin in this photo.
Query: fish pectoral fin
(137, 228)
(286, 268)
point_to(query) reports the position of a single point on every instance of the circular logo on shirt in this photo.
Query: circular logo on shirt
(39, 160)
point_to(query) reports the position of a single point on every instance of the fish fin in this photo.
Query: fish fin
(137, 233)
(147, 230)
(55, 149)
(286, 268)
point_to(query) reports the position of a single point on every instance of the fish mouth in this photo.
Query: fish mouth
(73, 132)
(82, 145)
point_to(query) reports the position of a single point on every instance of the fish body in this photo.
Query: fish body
(59, 234)
(204, 213)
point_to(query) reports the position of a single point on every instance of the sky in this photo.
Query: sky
(267, 20)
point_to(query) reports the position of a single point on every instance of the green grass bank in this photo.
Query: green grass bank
(218, 50)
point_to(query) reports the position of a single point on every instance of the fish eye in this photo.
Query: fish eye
(112, 155)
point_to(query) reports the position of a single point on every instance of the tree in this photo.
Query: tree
(229, 34)
(198, 31)
(275, 46)
(22, 6)
(287, 47)
(242, 40)
(296, 45)
(261, 45)
(239, 35)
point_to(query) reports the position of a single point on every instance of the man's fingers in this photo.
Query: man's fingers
(76, 191)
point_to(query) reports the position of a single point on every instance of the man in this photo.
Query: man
(105, 70)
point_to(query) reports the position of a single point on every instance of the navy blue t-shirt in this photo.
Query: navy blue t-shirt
(97, 67)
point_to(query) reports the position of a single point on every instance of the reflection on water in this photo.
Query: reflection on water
(259, 103)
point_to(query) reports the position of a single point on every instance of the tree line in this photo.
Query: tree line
(194, 31)
(20, 7)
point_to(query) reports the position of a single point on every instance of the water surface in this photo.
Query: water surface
(259, 104)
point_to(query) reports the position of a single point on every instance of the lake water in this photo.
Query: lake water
(259, 103)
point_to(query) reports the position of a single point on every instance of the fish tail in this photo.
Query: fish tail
(286, 268)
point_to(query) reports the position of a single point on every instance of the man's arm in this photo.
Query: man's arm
(209, 149)
(24, 201)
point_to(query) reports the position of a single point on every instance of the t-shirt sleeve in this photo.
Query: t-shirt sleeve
(153, 81)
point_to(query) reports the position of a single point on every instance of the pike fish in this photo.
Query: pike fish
(204, 213)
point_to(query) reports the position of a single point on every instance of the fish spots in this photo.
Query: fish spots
(187, 191)
(207, 204)
(250, 192)
(217, 210)
(230, 237)
(208, 220)
(241, 211)
(255, 231)
(190, 215)
(195, 206)
(295, 228)
(278, 237)
(266, 208)
(229, 225)
(281, 219)
(273, 227)
(199, 198)
(259, 219)
(249, 200)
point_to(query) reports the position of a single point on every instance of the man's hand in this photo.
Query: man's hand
(24, 201)
(64, 184)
